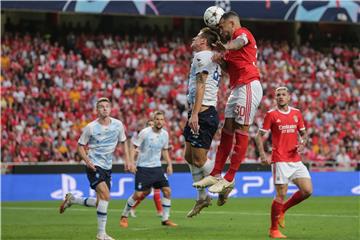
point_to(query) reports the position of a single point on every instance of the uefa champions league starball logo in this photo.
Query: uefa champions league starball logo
(302, 10)
(224, 4)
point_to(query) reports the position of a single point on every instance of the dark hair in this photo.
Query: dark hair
(230, 14)
(210, 36)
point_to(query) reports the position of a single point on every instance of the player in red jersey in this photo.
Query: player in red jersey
(285, 123)
(238, 59)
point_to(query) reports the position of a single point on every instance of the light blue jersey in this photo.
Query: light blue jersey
(150, 145)
(202, 63)
(102, 141)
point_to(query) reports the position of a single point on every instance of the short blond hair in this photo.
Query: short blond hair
(102, 99)
(158, 112)
(282, 88)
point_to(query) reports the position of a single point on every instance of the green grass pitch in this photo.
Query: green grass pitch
(242, 218)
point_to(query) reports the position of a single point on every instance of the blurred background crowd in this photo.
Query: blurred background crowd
(49, 89)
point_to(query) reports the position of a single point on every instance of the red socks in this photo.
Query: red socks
(223, 151)
(239, 152)
(293, 200)
(138, 201)
(157, 200)
(276, 209)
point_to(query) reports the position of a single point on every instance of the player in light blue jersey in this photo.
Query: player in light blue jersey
(203, 119)
(156, 192)
(102, 136)
(151, 144)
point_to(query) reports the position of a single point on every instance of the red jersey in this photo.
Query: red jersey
(284, 127)
(242, 67)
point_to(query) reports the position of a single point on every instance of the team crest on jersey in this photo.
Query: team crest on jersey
(140, 185)
(296, 119)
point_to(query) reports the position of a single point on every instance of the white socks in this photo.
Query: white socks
(200, 173)
(208, 167)
(130, 203)
(102, 215)
(89, 201)
(197, 175)
(166, 204)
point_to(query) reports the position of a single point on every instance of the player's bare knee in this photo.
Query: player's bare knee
(188, 158)
(199, 158)
(242, 127)
(166, 192)
(280, 198)
(306, 192)
(199, 161)
(137, 195)
(104, 196)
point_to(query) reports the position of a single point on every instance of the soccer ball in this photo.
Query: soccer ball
(212, 16)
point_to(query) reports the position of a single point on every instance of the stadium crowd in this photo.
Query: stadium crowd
(49, 89)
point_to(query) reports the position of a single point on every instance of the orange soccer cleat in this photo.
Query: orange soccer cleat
(276, 234)
(124, 222)
(281, 220)
(168, 223)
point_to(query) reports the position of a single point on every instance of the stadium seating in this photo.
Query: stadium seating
(48, 92)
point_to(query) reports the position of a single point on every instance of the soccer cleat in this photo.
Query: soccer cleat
(205, 182)
(132, 213)
(104, 237)
(66, 203)
(159, 214)
(221, 185)
(276, 234)
(168, 223)
(281, 220)
(223, 196)
(124, 222)
(199, 205)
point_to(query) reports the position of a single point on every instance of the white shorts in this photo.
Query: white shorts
(284, 172)
(243, 102)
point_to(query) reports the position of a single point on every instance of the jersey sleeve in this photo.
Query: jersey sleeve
(202, 62)
(241, 34)
(85, 136)
(122, 135)
(300, 124)
(267, 123)
(137, 141)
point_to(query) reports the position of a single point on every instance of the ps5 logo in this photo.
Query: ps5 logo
(259, 182)
(356, 190)
(68, 184)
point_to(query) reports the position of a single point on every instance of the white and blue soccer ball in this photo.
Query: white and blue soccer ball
(212, 16)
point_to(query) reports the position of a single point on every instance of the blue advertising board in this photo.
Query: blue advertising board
(39, 187)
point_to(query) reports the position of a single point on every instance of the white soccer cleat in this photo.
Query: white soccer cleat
(205, 182)
(221, 186)
(104, 237)
(66, 203)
